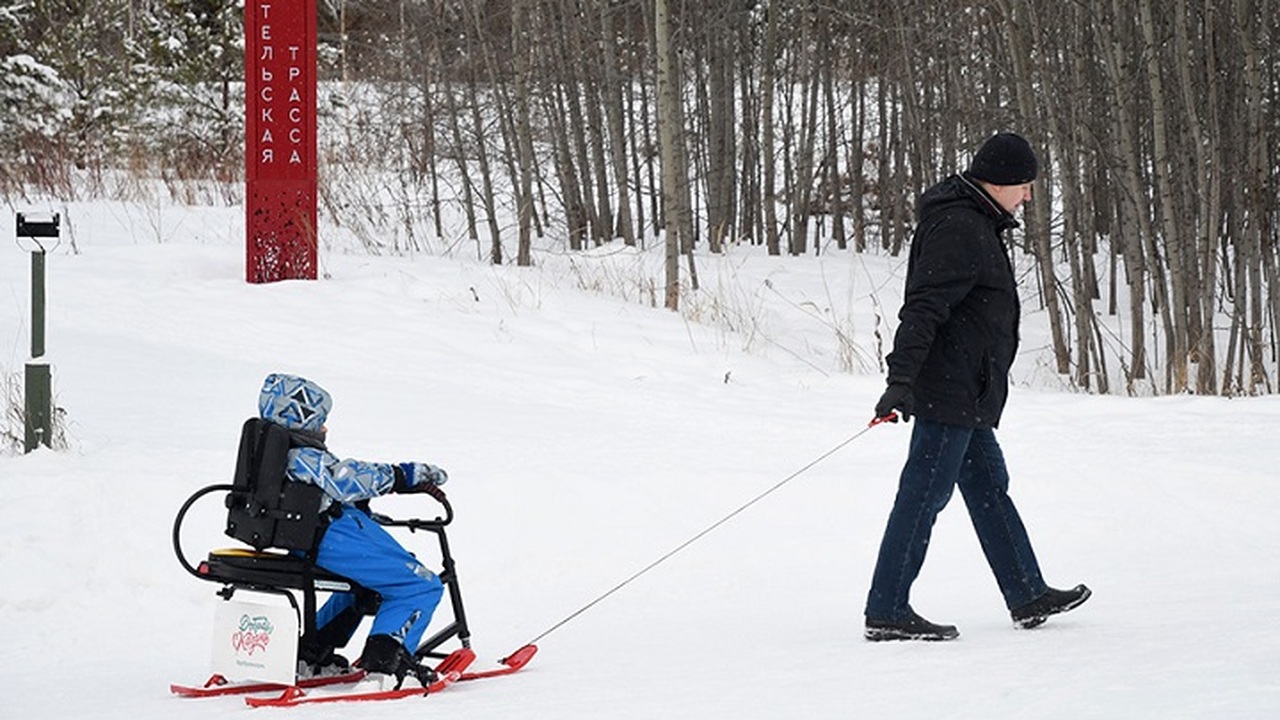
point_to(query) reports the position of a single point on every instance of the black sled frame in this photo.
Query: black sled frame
(280, 521)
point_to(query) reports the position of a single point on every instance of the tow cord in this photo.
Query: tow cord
(891, 417)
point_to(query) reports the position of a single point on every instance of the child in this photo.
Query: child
(353, 545)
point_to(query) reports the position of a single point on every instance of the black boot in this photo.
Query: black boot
(386, 655)
(316, 660)
(911, 627)
(1051, 602)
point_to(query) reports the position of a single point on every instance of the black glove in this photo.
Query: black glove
(896, 397)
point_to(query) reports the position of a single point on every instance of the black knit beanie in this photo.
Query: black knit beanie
(1005, 159)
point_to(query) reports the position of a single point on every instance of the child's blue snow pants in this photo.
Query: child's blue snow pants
(358, 548)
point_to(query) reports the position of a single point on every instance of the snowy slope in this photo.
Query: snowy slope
(586, 437)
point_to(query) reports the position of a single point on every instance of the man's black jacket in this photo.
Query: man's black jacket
(958, 328)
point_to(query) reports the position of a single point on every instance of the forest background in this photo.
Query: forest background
(803, 127)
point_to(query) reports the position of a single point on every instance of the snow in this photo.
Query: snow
(587, 436)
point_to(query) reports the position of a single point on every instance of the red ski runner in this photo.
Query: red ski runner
(297, 696)
(450, 670)
(218, 685)
(511, 663)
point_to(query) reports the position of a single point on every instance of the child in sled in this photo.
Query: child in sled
(352, 544)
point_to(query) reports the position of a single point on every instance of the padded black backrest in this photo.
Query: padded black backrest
(266, 509)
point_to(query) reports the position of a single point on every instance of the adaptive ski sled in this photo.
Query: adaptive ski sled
(279, 521)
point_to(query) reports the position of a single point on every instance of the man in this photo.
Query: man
(949, 368)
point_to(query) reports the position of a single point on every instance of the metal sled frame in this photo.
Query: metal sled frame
(289, 574)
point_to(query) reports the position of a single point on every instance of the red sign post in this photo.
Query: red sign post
(280, 140)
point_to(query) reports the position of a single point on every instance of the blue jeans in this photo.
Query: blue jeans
(941, 458)
(358, 548)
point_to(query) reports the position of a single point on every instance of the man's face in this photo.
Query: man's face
(1010, 197)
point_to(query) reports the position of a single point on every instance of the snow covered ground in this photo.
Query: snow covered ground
(585, 437)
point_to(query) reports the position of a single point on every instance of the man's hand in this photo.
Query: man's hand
(896, 397)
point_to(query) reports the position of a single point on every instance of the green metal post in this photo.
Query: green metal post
(39, 400)
(37, 303)
(39, 405)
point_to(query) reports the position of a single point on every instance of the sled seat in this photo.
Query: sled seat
(265, 568)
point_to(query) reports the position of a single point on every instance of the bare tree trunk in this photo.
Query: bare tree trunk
(1177, 340)
(464, 170)
(428, 155)
(1211, 209)
(750, 221)
(669, 132)
(1195, 200)
(641, 150)
(722, 129)
(1037, 217)
(807, 131)
(575, 214)
(1133, 228)
(768, 143)
(613, 92)
(857, 165)
(595, 137)
(1232, 372)
(1256, 200)
(833, 189)
(578, 146)
(1060, 111)
(487, 196)
(525, 159)
(886, 194)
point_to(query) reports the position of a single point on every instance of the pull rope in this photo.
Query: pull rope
(891, 417)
